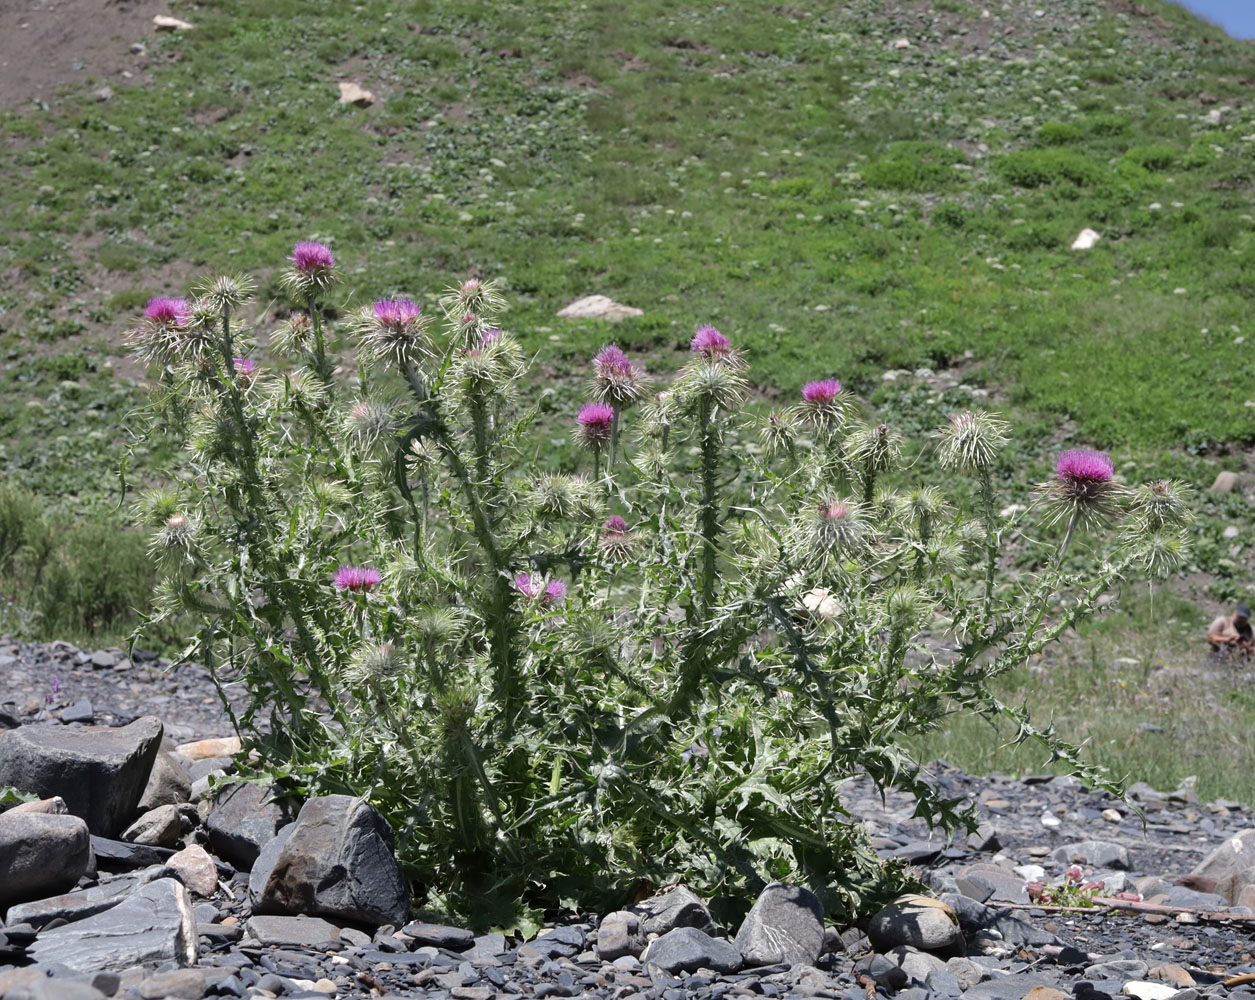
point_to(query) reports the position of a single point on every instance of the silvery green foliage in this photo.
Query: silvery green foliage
(563, 684)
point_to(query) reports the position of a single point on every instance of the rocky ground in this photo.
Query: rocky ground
(130, 877)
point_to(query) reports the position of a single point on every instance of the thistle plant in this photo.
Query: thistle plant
(657, 667)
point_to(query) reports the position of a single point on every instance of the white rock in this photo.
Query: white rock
(902, 43)
(1112, 815)
(1231, 531)
(1050, 821)
(164, 22)
(821, 602)
(355, 93)
(1148, 991)
(1213, 116)
(1031, 873)
(1086, 239)
(599, 307)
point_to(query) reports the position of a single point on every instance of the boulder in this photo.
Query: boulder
(85, 902)
(1226, 482)
(619, 934)
(160, 827)
(356, 94)
(155, 924)
(1095, 853)
(678, 907)
(560, 942)
(54, 806)
(295, 932)
(918, 921)
(687, 949)
(100, 773)
(439, 936)
(242, 819)
(599, 307)
(168, 784)
(41, 854)
(164, 22)
(785, 924)
(1227, 861)
(338, 862)
(265, 864)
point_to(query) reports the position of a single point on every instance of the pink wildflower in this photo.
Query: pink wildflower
(397, 313)
(555, 592)
(356, 578)
(615, 523)
(168, 310)
(245, 367)
(710, 342)
(611, 361)
(596, 421)
(491, 336)
(527, 586)
(1080, 465)
(821, 393)
(312, 257)
(616, 541)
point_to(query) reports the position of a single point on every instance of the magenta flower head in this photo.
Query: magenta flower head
(491, 336)
(616, 540)
(397, 313)
(245, 369)
(710, 343)
(823, 402)
(313, 269)
(595, 424)
(527, 586)
(358, 579)
(1083, 489)
(394, 331)
(821, 393)
(312, 257)
(615, 379)
(175, 312)
(555, 592)
(1083, 465)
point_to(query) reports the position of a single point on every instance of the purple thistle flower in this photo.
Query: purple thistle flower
(710, 343)
(491, 336)
(397, 313)
(821, 393)
(526, 586)
(615, 379)
(616, 541)
(312, 258)
(555, 592)
(616, 524)
(245, 367)
(611, 361)
(596, 422)
(1081, 465)
(356, 578)
(168, 310)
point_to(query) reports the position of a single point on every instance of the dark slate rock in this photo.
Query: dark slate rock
(40, 854)
(561, 942)
(679, 907)
(439, 936)
(168, 784)
(1095, 853)
(100, 773)
(55, 989)
(265, 863)
(85, 902)
(785, 924)
(918, 921)
(242, 820)
(975, 917)
(687, 949)
(620, 934)
(1006, 987)
(338, 862)
(80, 711)
(118, 855)
(295, 932)
(160, 827)
(155, 924)
(885, 971)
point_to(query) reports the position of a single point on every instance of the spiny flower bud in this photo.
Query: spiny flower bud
(474, 297)
(616, 540)
(873, 447)
(375, 663)
(1083, 487)
(245, 370)
(394, 331)
(561, 498)
(594, 425)
(615, 379)
(1163, 503)
(368, 420)
(294, 336)
(313, 269)
(779, 433)
(176, 533)
(712, 345)
(549, 592)
(972, 440)
(824, 402)
(716, 385)
(836, 527)
(226, 292)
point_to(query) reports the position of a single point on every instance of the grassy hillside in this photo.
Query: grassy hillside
(851, 189)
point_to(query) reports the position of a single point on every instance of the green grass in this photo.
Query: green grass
(835, 204)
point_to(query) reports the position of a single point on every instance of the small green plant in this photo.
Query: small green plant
(1030, 168)
(657, 669)
(914, 166)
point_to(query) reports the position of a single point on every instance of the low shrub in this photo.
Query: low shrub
(560, 688)
(1152, 158)
(1058, 133)
(914, 166)
(1030, 168)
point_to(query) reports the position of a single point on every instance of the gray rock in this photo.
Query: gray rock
(943, 983)
(102, 659)
(976, 918)
(967, 972)
(918, 965)
(41, 854)
(242, 820)
(177, 984)
(678, 907)
(100, 773)
(927, 924)
(338, 862)
(620, 934)
(84, 902)
(882, 969)
(160, 827)
(1007, 987)
(561, 942)
(295, 932)
(155, 924)
(265, 863)
(168, 784)
(80, 711)
(1225, 482)
(1235, 855)
(1120, 968)
(1095, 853)
(982, 882)
(439, 936)
(687, 949)
(56, 989)
(785, 925)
